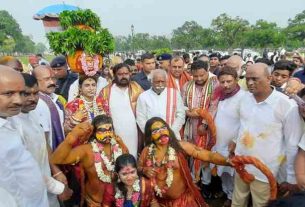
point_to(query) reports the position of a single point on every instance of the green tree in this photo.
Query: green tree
(9, 28)
(141, 41)
(264, 34)
(123, 43)
(40, 48)
(8, 45)
(26, 45)
(189, 36)
(295, 31)
(229, 31)
(157, 42)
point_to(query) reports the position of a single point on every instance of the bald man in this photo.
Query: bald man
(236, 62)
(161, 101)
(50, 108)
(19, 173)
(270, 130)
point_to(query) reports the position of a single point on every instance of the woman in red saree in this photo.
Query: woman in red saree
(86, 106)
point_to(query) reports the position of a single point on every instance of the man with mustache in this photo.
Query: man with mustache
(20, 175)
(122, 96)
(227, 121)
(50, 108)
(161, 101)
(34, 139)
(201, 92)
(177, 75)
(97, 153)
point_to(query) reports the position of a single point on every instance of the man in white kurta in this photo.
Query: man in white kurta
(124, 120)
(227, 123)
(20, 175)
(122, 96)
(33, 138)
(163, 102)
(270, 130)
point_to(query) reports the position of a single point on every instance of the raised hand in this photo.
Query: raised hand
(80, 132)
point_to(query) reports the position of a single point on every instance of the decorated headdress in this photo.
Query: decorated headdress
(83, 41)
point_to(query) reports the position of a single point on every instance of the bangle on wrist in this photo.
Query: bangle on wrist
(56, 174)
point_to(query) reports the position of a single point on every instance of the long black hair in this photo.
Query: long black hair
(123, 161)
(173, 142)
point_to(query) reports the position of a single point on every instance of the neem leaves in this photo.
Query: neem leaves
(96, 41)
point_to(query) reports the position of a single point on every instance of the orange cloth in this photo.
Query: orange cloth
(171, 83)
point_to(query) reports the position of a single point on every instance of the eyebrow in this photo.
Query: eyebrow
(12, 91)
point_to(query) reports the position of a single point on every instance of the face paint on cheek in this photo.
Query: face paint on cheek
(103, 135)
(100, 136)
(155, 137)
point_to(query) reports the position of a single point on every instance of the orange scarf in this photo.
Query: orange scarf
(185, 77)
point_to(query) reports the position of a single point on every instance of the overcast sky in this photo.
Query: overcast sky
(158, 17)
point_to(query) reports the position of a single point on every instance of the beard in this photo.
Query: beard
(123, 82)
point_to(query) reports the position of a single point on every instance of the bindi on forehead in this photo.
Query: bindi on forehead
(127, 169)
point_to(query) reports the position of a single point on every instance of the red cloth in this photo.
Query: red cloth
(192, 190)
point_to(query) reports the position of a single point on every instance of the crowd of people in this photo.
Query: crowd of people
(159, 131)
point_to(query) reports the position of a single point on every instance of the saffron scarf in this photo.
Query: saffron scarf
(185, 77)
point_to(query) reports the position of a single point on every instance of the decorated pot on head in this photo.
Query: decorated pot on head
(83, 41)
(81, 62)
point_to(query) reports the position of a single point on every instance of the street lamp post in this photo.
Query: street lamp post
(132, 38)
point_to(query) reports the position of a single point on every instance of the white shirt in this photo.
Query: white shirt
(44, 116)
(270, 131)
(6, 199)
(74, 88)
(19, 173)
(124, 121)
(302, 142)
(33, 138)
(227, 121)
(150, 104)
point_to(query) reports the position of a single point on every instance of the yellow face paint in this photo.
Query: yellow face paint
(158, 129)
(104, 131)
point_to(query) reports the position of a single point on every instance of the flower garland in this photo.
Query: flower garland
(169, 163)
(85, 64)
(100, 156)
(119, 198)
(94, 109)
